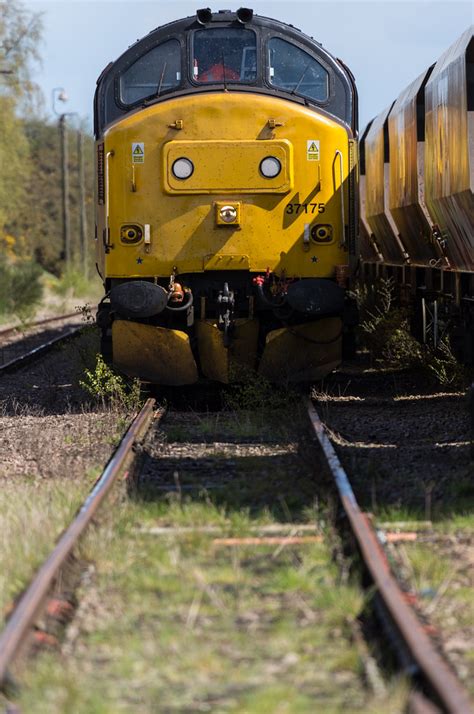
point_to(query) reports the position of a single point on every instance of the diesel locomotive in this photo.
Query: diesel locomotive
(417, 201)
(226, 201)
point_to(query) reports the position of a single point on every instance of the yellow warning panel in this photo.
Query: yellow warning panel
(303, 352)
(153, 354)
(312, 149)
(138, 152)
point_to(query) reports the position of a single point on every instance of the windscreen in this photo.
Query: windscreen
(224, 55)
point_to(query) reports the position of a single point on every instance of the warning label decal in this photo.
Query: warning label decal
(312, 149)
(138, 153)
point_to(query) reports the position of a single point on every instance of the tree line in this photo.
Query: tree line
(30, 156)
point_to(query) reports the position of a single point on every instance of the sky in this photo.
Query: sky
(386, 44)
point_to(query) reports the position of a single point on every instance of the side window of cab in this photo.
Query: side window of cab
(293, 70)
(154, 73)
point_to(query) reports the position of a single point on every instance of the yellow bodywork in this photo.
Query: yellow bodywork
(155, 354)
(292, 354)
(226, 135)
(181, 215)
(302, 352)
(218, 362)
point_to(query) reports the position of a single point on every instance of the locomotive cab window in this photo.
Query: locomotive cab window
(156, 72)
(294, 70)
(224, 55)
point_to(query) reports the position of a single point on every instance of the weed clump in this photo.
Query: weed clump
(249, 391)
(385, 328)
(111, 389)
(444, 366)
(391, 343)
(385, 332)
(86, 313)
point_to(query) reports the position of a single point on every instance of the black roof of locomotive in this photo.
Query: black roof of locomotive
(343, 107)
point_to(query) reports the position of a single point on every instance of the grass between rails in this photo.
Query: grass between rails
(185, 626)
(177, 623)
(446, 523)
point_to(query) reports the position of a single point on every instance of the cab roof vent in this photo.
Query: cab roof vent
(204, 15)
(244, 15)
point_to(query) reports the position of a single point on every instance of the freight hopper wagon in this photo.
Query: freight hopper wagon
(226, 201)
(417, 203)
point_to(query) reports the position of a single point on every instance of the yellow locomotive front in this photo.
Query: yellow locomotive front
(226, 226)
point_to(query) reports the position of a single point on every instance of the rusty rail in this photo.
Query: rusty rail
(18, 362)
(38, 323)
(434, 670)
(31, 603)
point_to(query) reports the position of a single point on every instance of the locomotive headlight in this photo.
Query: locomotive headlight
(270, 167)
(228, 214)
(182, 168)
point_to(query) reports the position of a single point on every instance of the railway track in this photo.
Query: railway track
(189, 467)
(429, 666)
(19, 346)
(18, 627)
(406, 444)
(22, 329)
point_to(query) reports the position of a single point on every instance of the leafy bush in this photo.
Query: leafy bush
(20, 288)
(73, 283)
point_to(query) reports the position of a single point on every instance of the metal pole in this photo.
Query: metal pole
(65, 191)
(423, 317)
(471, 409)
(82, 203)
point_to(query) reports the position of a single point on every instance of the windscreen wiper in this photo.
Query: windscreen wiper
(158, 91)
(297, 85)
(223, 70)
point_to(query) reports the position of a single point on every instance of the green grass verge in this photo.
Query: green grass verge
(32, 513)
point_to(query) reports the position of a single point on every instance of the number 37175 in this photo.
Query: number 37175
(305, 208)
